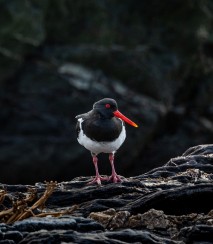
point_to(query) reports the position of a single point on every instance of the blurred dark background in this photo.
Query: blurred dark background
(58, 57)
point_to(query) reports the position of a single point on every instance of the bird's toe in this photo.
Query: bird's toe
(98, 180)
(115, 178)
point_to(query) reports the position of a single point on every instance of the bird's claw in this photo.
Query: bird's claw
(115, 178)
(98, 180)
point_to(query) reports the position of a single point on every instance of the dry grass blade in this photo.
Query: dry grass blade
(21, 210)
(18, 206)
(2, 195)
(40, 203)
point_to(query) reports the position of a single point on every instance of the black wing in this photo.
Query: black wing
(81, 116)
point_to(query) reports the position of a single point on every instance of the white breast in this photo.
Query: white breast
(101, 147)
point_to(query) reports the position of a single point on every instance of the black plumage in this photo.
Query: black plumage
(102, 130)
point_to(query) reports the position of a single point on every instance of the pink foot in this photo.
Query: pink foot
(115, 178)
(98, 180)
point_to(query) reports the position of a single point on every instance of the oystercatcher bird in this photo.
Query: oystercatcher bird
(102, 130)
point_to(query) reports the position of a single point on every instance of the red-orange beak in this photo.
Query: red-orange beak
(124, 118)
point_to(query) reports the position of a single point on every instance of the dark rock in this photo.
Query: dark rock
(135, 236)
(199, 150)
(179, 201)
(198, 233)
(85, 225)
(48, 223)
(117, 237)
(16, 236)
(7, 242)
(169, 204)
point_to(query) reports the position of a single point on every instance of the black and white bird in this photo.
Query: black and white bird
(102, 130)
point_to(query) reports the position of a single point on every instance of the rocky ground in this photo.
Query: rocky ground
(169, 204)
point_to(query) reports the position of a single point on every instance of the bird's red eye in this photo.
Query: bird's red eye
(107, 105)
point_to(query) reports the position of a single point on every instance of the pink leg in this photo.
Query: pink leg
(114, 177)
(97, 178)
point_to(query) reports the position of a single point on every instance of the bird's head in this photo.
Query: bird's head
(108, 108)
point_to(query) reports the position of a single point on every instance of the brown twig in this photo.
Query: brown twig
(2, 195)
(21, 210)
(41, 201)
